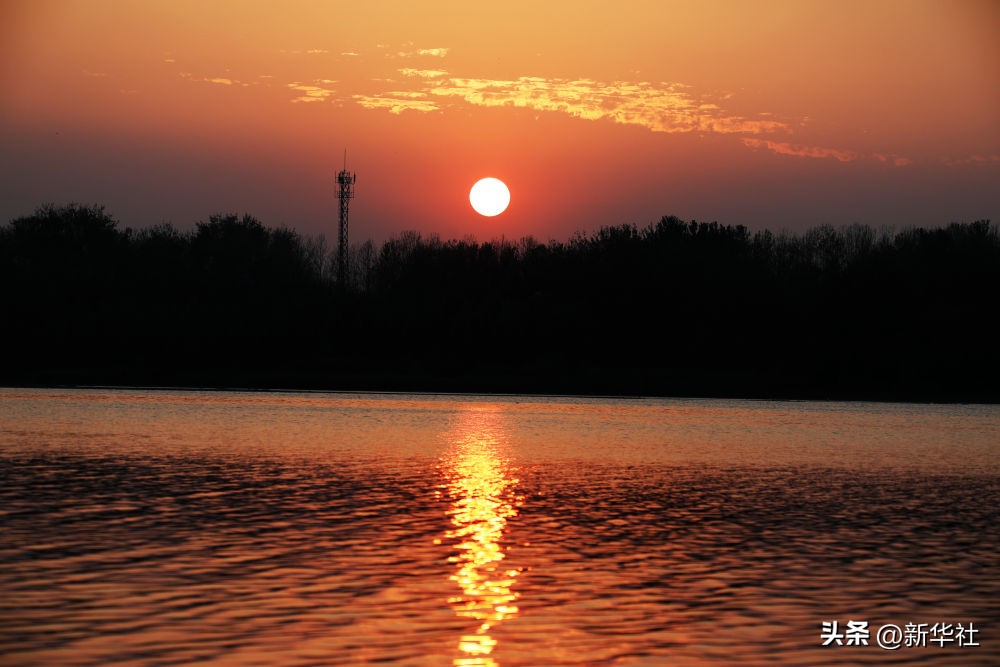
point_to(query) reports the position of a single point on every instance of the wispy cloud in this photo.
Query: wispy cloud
(841, 155)
(307, 52)
(217, 80)
(801, 150)
(397, 102)
(440, 52)
(894, 160)
(422, 73)
(95, 75)
(978, 160)
(312, 93)
(658, 107)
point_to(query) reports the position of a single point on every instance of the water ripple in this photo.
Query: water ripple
(481, 546)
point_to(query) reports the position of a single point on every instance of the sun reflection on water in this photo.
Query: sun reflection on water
(482, 500)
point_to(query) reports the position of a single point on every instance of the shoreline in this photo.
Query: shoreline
(817, 397)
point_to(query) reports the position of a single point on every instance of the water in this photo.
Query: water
(217, 528)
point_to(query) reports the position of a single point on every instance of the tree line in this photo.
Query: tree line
(673, 307)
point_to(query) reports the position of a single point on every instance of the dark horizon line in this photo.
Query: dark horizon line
(707, 396)
(784, 231)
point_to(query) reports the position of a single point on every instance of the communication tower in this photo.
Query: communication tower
(345, 192)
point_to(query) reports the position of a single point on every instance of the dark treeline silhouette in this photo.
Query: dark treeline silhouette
(675, 307)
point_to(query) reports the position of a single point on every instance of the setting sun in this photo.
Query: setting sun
(489, 196)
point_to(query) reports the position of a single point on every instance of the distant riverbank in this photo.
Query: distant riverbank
(564, 382)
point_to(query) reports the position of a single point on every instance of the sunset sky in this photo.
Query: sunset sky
(775, 114)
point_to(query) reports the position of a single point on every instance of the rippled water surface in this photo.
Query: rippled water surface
(216, 528)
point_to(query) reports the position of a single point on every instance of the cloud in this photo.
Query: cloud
(309, 93)
(894, 160)
(802, 150)
(656, 106)
(662, 107)
(307, 52)
(978, 160)
(397, 102)
(422, 73)
(95, 75)
(436, 53)
(217, 80)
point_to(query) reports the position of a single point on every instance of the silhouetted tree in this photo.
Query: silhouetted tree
(675, 306)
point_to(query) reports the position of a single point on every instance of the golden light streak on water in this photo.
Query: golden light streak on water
(482, 500)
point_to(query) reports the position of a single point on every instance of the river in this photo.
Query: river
(164, 527)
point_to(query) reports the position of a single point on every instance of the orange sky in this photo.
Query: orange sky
(769, 114)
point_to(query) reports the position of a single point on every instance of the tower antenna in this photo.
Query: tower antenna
(345, 193)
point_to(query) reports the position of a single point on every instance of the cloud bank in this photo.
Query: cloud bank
(664, 107)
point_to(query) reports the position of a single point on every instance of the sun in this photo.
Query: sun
(489, 196)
